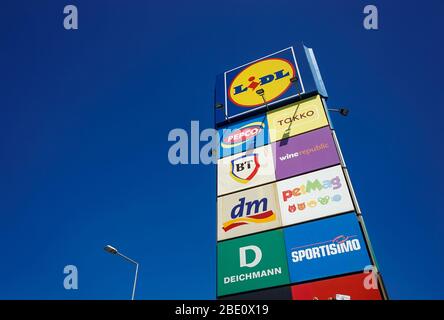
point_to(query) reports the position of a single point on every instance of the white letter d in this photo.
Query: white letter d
(243, 256)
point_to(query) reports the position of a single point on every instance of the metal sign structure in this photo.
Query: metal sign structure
(288, 222)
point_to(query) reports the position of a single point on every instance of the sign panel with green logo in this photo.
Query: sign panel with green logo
(250, 263)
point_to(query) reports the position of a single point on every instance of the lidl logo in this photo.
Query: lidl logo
(244, 168)
(242, 135)
(255, 211)
(246, 212)
(251, 263)
(272, 75)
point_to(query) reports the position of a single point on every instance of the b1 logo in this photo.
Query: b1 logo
(272, 74)
(242, 135)
(256, 212)
(244, 168)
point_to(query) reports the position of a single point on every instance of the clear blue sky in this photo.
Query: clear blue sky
(85, 115)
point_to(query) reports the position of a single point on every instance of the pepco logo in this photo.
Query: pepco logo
(272, 74)
(242, 135)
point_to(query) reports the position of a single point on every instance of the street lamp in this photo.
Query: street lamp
(342, 111)
(113, 250)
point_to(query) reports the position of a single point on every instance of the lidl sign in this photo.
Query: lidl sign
(269, 82)
(251, 263)
(326, 248)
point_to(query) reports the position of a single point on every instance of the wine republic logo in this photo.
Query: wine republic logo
(315, 195)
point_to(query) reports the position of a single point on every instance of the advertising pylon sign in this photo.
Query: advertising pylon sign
(288, 221)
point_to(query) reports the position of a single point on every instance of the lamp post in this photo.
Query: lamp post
(113, 250)
(343, 111)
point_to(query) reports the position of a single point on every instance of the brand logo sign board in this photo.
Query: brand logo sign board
(304, 153)
(250, 263)
(296, 118)
(247, 212)
(325, 248)
(352, 287)
(314, 195)
(272, 74)
(245, 170)
(243, 136)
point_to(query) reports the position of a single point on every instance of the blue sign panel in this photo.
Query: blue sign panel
(243, 136)
(325, 248)
(267, 83)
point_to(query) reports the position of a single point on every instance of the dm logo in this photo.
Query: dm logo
(242, 135)
(249, 212)
(272, 75)
(244, 168)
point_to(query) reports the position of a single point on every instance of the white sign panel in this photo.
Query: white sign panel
(247, 212)
(245, 170)
(314, 195)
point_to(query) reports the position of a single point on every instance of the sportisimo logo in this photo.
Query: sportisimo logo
(244, 168)
(242, 135)
(339, 245)
(272, 74)
(256, 212)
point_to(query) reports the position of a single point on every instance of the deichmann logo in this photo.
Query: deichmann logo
(251, 275)
(253, 262)
(272, 74)
(339, 245)
(242, 135)
(255, 212)
(244, 168)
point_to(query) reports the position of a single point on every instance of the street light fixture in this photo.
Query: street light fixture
(342, 111)
(112, 250)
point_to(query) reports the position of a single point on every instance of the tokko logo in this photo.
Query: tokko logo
(249, 212)
(242, 135)
(272, 74)
(244, 168)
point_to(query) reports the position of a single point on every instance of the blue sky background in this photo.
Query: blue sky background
(85, 115)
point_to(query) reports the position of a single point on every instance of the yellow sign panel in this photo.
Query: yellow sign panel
(272, 75)
(297, 118)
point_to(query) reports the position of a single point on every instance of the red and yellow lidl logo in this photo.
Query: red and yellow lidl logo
(272, 75)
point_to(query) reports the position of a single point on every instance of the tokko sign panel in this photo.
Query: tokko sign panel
(243, 136)
(245, 170)
(359, 286)
(247, 212)
(251, 263)
(314, 195)
(325, 248)
(296, 118)
(304, 153)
